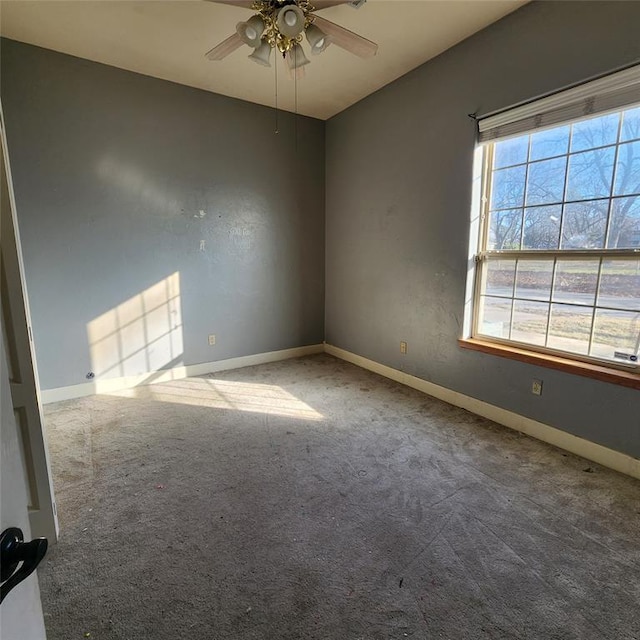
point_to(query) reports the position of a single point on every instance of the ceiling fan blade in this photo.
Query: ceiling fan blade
(317, 4)
(324, 4)
(347, 40)
(226, 47)
(243, 4)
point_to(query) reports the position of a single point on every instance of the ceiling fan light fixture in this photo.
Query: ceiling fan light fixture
(296, 59)
(290, 20)
(251, 31)
(262, 54)
(282, 25)
(317, 39)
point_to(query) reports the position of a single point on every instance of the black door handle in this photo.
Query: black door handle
(13, 551)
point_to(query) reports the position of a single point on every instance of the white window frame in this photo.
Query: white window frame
(613, 93)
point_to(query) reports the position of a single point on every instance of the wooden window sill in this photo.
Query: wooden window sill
(589, 370)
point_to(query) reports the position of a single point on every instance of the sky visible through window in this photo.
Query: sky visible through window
(574, 188)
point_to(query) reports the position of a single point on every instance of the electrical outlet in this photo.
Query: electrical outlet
(536, 387)
(212, 340)
(403, 347)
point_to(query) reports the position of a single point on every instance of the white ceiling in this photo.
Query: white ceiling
(168, 39)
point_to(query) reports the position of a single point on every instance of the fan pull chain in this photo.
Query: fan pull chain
(295, 110)
(276, 66)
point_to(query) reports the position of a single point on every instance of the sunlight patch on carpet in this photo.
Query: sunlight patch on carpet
(226, 394)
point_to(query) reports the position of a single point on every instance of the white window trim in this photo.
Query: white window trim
(625, 86)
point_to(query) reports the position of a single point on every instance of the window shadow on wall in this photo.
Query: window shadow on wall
(142, 334)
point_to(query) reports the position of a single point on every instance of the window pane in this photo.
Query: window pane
(631, 125)
(584, 224)
(552, 142)
(559, 199)
(533, 279)
(616, 331)
(542, 227)
(624, 227)
(500, 277)
(576, 281)
(495, 317)
(570, 328)
(511, 152)
(628, 169)
(545, 183)
(505, 228)
(530, 321)
(595, 132)
(620, 284)
(508, 188)
(590, 174)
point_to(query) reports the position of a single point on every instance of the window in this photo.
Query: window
(558, 260)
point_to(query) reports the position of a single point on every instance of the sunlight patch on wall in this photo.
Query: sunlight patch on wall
(141, 335)
(226, 394)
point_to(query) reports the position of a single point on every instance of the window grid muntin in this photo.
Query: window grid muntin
(564, 202)
(564, 193)
(611, 204)
(607, 229)
(619, 141)
(486, 255)
(554, 272)
(524, 206)
(485, 260)
(560, 155)
(552, 290)
(595, 304)
(623, 113)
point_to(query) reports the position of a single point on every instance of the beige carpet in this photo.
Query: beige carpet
(312, 499)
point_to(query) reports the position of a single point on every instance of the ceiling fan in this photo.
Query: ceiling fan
(281, 24)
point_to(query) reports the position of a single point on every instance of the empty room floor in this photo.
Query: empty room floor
(312, 499)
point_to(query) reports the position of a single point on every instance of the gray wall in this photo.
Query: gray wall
(112, 171)
(122, 180)
(398, 192)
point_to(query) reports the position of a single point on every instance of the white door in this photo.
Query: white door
(23, 376)
(26, 491)
(21, 611)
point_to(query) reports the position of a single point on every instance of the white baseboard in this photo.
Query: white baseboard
(590, 450)
(176, 373)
